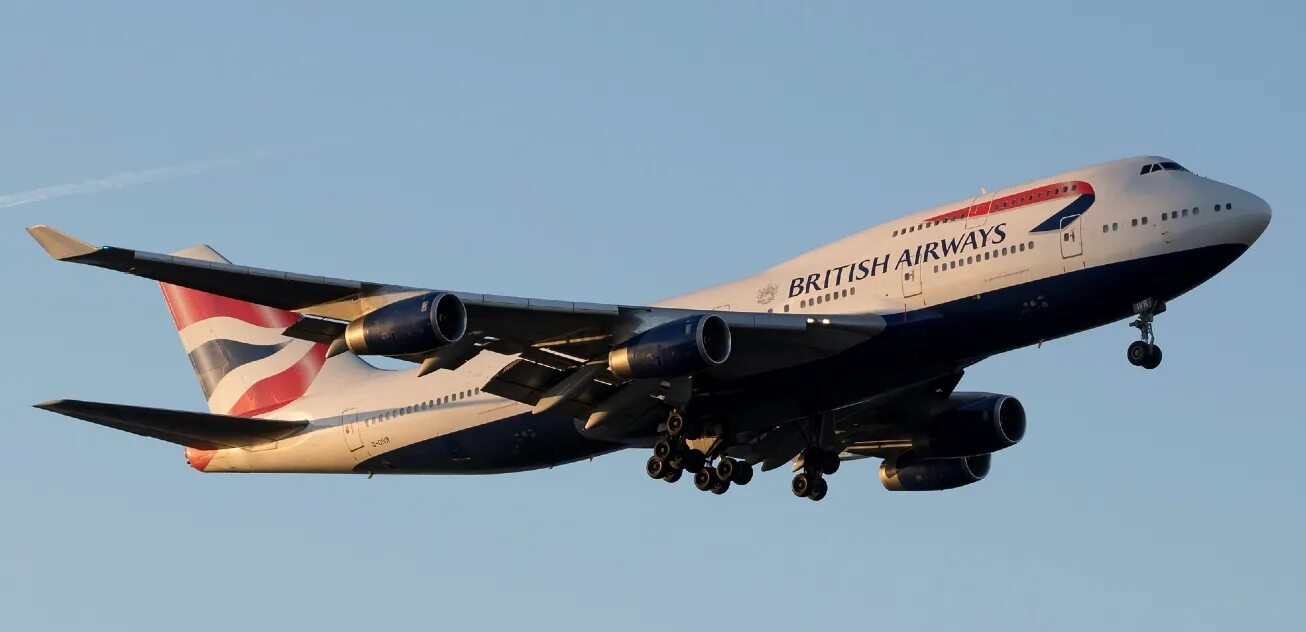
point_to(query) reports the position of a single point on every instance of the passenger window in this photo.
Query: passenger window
(845, 293)
(1226, 206)
(1163, 216)
(970, 259)
(852, 290)
(786, 308)
(1074, 187)
(1115, 226)
(1196, 210)
(802, 303)
(1135, 220)
(895, 233)
(818, 300)
(1144, 220)
(1022, 246)
(1031, 245)
(1184, 212)
(1105, 228)
(986, 256)
(936, 269)
(1004, 251)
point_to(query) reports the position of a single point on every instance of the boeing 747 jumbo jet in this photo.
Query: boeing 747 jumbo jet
(850, 351)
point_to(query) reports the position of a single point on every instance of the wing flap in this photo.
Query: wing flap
(191, 429)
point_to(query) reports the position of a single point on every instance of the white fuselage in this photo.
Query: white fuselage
(1077, 221)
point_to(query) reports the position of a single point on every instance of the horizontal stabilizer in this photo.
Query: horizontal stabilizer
(191, 429)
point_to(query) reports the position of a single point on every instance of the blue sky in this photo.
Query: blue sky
(625, 154)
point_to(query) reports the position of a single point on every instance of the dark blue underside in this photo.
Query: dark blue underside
(917, 345)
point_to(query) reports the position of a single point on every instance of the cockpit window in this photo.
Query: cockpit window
(1162, 166)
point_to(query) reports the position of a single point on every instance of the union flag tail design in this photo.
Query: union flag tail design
(245, 366)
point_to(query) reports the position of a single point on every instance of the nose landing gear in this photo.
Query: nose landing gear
(1145, 352)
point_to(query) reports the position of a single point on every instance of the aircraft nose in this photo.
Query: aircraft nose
(1248, 217)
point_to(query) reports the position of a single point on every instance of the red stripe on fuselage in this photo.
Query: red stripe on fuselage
(191, 306)
(271, 393)
(1014, 201)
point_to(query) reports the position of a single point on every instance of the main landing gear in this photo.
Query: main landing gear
(673, 456)
(810, 483)
(1144, 352)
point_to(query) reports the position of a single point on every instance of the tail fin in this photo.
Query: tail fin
(244, 365)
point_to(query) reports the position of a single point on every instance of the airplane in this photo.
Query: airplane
(850, 351)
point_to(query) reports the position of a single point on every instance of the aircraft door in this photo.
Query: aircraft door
(911, 281)
(352, 429)
(978, 213)
(1071, 246)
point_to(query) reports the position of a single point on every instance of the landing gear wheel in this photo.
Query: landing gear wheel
(819, 489)
(655, 468)
(673, 474)
(706, 479)
(831, 464)
(726, 468)
(675, 424)
(743, 473)
(1138, 352)
(1153, 359)
(693, 460)
(662, 449)
(721, 488)
(803, 484)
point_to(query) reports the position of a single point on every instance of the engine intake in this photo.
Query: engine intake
(413, 325)
(983, 423)
(906, 473)
(673, 349)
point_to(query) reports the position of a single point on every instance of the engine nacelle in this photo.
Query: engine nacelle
(413, 325)
(674, 349)
(983, 423)
(905, 473)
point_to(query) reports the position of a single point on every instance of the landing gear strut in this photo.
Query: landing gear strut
(673, 456)
(1145, 352)
(810, 483)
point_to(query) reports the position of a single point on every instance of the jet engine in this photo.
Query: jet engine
(981, 424)
(673, 349)
(413, 325)
(909, 473)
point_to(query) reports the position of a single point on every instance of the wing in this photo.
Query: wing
(762, 342)
(196, 430)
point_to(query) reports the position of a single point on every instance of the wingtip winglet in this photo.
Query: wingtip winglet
(59, 244)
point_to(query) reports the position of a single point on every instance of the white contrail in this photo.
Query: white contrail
(115, 181)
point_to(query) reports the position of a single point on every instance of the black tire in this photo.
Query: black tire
(655, 467)
(725, 469)
(743, 473)
(693, 460)
(802, 485)
(673, 474)
(1153, 358)
(705, 479)
(662, 449)
(819, 489)
(831, 464)
(721, 487)
(1138, 352)
(675, 424)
